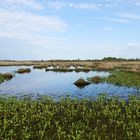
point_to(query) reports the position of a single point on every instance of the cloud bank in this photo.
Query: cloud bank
(16, 22)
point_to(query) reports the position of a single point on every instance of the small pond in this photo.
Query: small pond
(57, 84)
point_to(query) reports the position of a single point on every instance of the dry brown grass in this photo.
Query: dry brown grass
(133, 66)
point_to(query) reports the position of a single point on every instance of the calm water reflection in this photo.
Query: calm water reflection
(57, 84)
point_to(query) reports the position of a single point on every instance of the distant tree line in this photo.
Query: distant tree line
(119, 59)
(104, 59)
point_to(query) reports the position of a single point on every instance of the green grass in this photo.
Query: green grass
(119, 78)
(122, 78)
(104, 118)
(1, 78)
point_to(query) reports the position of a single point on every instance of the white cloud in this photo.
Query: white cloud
(29, 27)
(133, 45)
(58, 5)
(93, 5)
(17, 23)
(106, 29)
(114, 19)
(28, 22)
(117, 19)
(88, 6)
(122, 17)
(125, 2)
(18, 4)
(129, 16)
(31, 38)
(112, 49)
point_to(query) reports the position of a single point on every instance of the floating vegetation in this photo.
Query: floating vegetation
(102, 118)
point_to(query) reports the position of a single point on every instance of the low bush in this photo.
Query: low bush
(66, 119)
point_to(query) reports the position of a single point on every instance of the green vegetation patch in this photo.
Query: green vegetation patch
(124, 79)
(1, 78)
(103, 118)
(120, 78)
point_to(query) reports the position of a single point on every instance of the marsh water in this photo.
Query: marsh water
(57, 84)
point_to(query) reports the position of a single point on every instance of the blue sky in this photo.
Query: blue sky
(69, 29)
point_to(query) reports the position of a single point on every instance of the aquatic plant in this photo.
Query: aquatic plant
(1, 78)
(123, 78)
(66, 119)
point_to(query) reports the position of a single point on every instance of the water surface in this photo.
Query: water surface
(57, 84)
